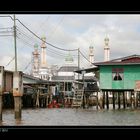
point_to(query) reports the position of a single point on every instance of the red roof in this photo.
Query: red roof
(128, 60)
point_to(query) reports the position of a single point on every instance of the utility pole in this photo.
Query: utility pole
(1, 89)
(78, 61)
(17, 82)
(15, 43)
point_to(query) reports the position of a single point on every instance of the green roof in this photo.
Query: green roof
(43, 38)
(36, 46)
(69, 58)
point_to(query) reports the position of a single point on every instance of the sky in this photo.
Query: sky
(69, 31)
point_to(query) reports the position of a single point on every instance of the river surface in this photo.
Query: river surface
(72, 117)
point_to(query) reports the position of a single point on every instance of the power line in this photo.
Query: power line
(6, 28)
(49, 49)
(24, 42)
(6, 32)
(56, 27)
(31, 46)
(10, 61)
(21, 32)
(8, 16)
(56, 53)
(41, 25)
(45, 41)
(39, 37)
(84, 56)
(5, 35)
(27, 65)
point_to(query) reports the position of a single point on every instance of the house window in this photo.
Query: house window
(117, 74)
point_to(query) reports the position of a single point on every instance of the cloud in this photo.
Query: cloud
(75, 31)
(5, 61)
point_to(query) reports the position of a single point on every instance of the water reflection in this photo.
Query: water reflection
(67, 116)
(19, 122)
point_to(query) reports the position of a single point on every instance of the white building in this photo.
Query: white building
(106, 49)
(66, 72)
(43, 70)
(65, 75)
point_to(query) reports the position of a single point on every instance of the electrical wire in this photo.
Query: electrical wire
(24, 42)
(21, 32)
(27, 66)
(84, 56)
(38, 36)
(53, 32)
(45, 41)
(10, 62)
(41, 25)
(5, 35)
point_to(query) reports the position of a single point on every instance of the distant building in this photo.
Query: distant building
(43, 70)
(106, 49)
(35, 62)
(91, 55)
(65, 75)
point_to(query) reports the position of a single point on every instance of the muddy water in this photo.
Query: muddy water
(72, 117)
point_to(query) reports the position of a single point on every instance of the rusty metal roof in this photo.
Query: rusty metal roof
(128, 60)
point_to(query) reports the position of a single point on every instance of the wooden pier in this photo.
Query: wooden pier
(121, 99)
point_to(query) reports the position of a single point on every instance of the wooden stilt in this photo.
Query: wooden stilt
(1, 89)
(113, 100)
(0, 107)
(131, 99)
(118, 100)
(37, 99)
(107, 101)
(88, 101)
(83, 101)
(127, 99)
(138, 95)
(47, 101)
(123, 100)
(135, 95)
(97, 101)
(103, 99)
(125, 93)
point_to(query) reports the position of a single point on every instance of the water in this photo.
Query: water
(72, 117)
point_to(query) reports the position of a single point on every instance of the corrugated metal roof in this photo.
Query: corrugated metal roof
(88, 79)
(62, 78)
(92, 69)
(126, 57)
(128, 60)
(68, 68)
(116, 63)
